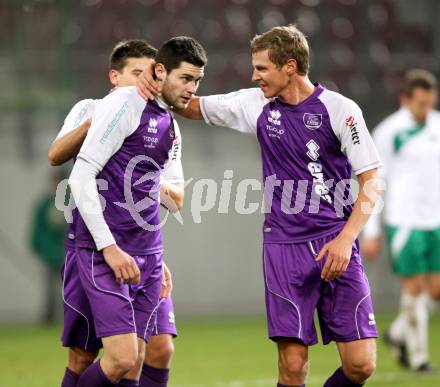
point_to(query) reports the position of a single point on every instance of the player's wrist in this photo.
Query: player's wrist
(347, 236)
(109, 249)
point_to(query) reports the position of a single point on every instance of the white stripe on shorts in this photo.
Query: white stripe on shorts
(151, 315)
(312, 249)
(355, 314)
(399, 241)
(71, 306)
(111, 292)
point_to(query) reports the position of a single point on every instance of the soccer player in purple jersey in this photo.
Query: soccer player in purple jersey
(311, 140)
(117, 235)
(127, 60)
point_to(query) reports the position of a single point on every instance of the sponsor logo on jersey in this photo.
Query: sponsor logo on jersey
(313, 149)
(274, 117)
(312, 121)
(274, 131)
(152, 125)
(315, 169)
(150, 142)
(114, 122)
(176, 148)
(351, 124)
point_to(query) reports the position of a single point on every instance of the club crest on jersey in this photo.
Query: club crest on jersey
(274, 117)
(312, 121)
(152, 125)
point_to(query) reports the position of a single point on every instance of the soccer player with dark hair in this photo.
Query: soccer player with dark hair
(409, 143)
(311, 140)
(105, 152)
(127, 60)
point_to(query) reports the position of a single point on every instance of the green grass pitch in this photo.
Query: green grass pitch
(209, 353)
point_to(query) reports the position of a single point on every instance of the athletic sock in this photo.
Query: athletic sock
(154, 377)
(397, 327)
(93, 376)
(338, 379)
(70, 379)
(128, 383)
(416, 337)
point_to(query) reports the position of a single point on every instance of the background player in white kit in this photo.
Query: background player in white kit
(127, 61)
(409, 145)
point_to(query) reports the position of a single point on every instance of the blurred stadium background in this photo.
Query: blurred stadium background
(53, 53)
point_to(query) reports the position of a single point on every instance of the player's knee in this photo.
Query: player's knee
(123, 362)
(360, 371)
(160, 352)
(79, 359)
(293, 367)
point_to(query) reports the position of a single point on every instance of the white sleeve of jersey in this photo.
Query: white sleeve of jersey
(173, 170)
(79, 113)
(82, 182)
(238, 110)
(114, 119)
(350, 128)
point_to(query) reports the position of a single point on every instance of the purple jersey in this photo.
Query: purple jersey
(83, 110)
(308, 152)
(129, 142)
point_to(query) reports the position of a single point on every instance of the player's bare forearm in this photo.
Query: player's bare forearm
(63, 149)
(369, 193)
(193, 111)
(172, 195)
(167, 282)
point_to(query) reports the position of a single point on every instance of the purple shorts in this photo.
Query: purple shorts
(79, 328)
(96, 306)
(165, 320)
(294, 289)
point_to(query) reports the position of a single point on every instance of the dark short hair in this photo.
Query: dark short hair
(181, 49)
(418, 78)
(133, 48)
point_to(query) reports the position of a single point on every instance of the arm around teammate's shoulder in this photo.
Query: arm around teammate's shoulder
(66, 147)
(72, 134)
(193, 111)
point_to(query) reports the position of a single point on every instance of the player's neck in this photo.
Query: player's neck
(163, 103)
(298, 89)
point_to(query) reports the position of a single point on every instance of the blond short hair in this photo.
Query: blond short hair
(284, 43)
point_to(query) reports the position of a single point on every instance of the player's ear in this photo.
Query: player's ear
(113, 75)
(291, 66)
(160, 72)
